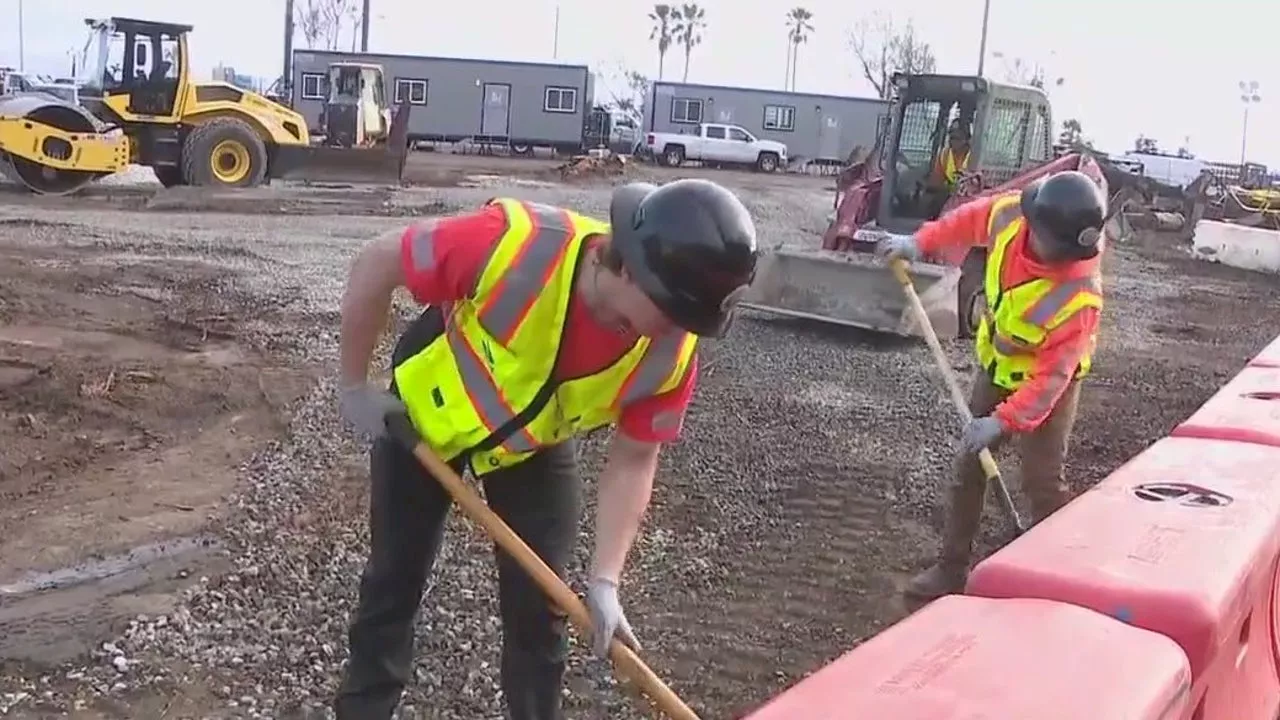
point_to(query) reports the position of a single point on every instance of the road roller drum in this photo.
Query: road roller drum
(55, 148)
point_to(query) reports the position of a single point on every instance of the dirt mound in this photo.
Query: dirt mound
(127, 401)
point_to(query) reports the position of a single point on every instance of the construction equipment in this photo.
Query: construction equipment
(886, 194)
(140, 106)
(902, 273)
(633, 668)
(355, 112)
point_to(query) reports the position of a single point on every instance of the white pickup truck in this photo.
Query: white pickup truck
(717, 144)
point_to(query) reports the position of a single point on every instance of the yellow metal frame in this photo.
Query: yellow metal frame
(90, 152)
(274, 123)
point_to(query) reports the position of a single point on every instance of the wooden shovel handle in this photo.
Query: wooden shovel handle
(625, 660)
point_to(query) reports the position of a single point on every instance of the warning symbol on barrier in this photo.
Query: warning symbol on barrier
(1184, 494)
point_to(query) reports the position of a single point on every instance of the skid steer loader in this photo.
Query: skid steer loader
(139, 105)
(886, 193)
(355, 112)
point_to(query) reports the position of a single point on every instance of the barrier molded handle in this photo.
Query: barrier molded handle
(628, 664)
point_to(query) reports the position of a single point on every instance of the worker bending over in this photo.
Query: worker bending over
(542, 325)
(1036, 341)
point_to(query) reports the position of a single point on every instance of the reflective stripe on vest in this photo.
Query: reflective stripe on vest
(474, 389)
(1019, 317)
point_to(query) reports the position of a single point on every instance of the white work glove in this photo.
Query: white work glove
(607, 618)
(980, 433)
(365, 407)
(898, 246)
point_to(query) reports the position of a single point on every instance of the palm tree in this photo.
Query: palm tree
(663, 31)
(799, 26)
(690, 21)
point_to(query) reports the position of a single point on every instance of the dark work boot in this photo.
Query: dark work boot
(964, 516)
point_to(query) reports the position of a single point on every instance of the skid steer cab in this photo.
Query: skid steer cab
(947, 138)
(355, 112)
(139, 105)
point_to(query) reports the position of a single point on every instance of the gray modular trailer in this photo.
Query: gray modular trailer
(521, 103)
(814, 127)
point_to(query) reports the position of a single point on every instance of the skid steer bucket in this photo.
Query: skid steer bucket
(383, 163)
(853, 289)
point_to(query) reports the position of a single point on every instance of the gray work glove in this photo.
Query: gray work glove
(365, 407)
(898, 246)
(980, 433)
(607, 618)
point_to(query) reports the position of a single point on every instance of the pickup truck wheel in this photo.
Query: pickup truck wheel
(673, 155)
(767, 162)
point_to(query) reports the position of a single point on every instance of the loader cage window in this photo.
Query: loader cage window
(1003, 140)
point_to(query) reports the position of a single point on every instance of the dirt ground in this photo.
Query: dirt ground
(174, 484)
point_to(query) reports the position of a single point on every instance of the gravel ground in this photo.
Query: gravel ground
(800, 498)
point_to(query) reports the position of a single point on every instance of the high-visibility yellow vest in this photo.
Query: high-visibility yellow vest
(952, 169)
(1018, 318)
(476, 389)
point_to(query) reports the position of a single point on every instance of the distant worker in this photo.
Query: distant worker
(542, 325)
(1036, 341)
(952, 162)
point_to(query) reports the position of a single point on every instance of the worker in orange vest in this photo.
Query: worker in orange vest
(1043, 297)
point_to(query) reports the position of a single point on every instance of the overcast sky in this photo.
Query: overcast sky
(1166, 69)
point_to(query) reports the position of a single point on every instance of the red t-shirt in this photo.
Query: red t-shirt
(461, 243)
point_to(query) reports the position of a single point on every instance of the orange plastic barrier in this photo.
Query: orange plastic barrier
(966, 657)
(1246, 409)
(1181, 540)
(1269, 357)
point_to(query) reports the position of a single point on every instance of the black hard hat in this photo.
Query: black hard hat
(1066, 210)
(690, 245)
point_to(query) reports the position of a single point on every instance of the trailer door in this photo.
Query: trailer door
(495, 115)
(829, 136)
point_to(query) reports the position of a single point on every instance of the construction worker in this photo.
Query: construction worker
(542, 325)
(952, 162)
(1035, 343)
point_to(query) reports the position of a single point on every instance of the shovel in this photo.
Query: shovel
(625, 660)
(989, 467)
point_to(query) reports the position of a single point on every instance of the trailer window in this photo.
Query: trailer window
(686, 110)
(411, 90)
(312, 86)
(560, 99)
(779, 117)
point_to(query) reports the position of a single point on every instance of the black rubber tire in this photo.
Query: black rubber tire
(970, 291)
(197, 153)
(169, 175)
(673, 156)
(767, 162)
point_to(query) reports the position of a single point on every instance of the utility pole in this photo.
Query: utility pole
(1249, 95)
(364, 27)
(555, 38)
(982, 44)
(286, 79)
(22, 48)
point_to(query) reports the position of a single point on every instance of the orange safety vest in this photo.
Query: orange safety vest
(485, 387)
(1018, 318)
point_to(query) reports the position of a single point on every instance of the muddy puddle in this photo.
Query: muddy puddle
(63, 614)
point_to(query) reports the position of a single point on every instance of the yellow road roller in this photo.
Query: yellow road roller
(140, 106)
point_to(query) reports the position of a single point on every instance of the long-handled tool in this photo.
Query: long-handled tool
(626, 661)
(989, 467)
